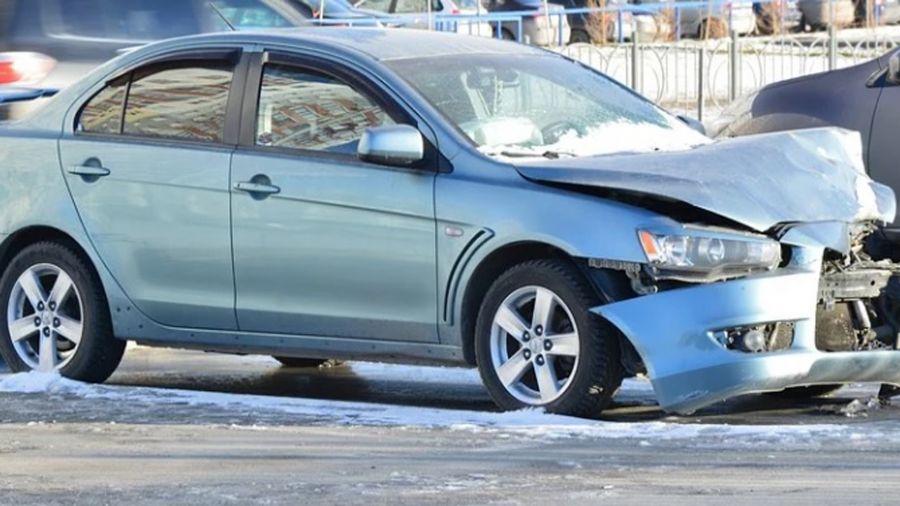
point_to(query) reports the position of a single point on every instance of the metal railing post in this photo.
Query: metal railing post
(621, 35)
(559, 28)
(734, 67)
(832, 47)
(677, 24)
(701, 57)
(634, 65)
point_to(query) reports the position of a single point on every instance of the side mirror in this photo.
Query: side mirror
(395, 145)
(893, 74)
(691, 122)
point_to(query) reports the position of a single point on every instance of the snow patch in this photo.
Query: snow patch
(861, 407)
(528, 423)
(34, 382)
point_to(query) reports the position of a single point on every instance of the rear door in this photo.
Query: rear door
(329, 245)
(147, 163)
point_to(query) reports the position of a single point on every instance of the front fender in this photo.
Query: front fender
(479, 217)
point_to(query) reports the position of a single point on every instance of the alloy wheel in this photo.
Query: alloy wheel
(45, 317)
(534, 345)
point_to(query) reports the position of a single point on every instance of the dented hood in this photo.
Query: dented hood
(759, 181)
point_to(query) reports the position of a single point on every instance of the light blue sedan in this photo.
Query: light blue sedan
(424, 197)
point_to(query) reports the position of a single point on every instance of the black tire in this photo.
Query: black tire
(99, 352)
(306, 363)
(810, 392)
(599, 373)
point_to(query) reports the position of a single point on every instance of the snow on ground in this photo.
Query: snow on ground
(530, 423)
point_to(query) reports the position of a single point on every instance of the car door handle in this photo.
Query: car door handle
(257, 188)
(88, 170)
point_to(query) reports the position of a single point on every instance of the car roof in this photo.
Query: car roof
(378, 43)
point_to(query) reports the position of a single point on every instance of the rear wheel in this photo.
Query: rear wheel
(57, 318)
(538, 345)
(297, 362)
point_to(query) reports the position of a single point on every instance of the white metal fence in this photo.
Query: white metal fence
(694, 75)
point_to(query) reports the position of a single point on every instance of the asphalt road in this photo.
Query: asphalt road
(71, 447)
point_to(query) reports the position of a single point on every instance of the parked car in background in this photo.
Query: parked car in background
(864, 98)
(883, 12)
(409, 196)
(654, 20)
(338, 12)
(890, 12)
(415, 14)
(598, 26)
(51, 43)
(715, 18)
(817, 14)
(778, 16)
(544, 26)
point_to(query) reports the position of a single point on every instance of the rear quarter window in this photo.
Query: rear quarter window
(103, 113)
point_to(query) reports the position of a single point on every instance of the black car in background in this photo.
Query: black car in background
(51, 43)
(864, 98)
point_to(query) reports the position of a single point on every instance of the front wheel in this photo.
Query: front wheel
(538, 344)
(57, 318)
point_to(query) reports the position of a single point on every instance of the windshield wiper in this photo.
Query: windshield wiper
(550, 154)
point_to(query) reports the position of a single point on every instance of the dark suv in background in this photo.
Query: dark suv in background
(51, 43)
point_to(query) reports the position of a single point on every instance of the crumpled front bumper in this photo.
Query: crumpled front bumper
(689, 369)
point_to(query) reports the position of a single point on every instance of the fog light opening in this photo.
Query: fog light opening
(757, 339)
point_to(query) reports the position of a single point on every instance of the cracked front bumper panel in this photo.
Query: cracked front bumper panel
(673, 333)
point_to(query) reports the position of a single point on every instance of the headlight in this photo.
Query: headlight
(689, 256)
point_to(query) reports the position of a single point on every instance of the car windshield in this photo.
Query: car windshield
(250, 14)
(527, 105)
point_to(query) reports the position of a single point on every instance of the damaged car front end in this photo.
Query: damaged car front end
(723, 267)
(785, 296)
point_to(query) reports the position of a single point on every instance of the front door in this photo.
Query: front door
(325, 244)
(151, 187)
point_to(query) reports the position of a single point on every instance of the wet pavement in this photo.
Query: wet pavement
(180, 427)
(450, 388)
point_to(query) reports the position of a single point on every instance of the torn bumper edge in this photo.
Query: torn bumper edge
(672, 331)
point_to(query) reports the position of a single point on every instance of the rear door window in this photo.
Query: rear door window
(184, 100)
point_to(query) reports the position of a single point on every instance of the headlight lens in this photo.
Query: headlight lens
(708, 254)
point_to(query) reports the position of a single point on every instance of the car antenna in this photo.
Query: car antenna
(224, 18)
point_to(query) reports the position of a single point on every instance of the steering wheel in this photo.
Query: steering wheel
(557, 129)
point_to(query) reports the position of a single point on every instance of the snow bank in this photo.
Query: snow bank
(528, 423)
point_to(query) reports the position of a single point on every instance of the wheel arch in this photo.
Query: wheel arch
(609, 285)
(22, 238)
